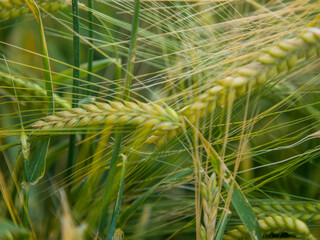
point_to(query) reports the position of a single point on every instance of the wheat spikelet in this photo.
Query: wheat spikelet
(309, 212)
(13, 8)
(29, 89)
(210, 198)
(152, 117)
(274, 224)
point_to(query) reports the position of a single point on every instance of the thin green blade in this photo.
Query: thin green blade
(245, 212)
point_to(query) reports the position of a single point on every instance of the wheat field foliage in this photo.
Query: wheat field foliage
(159, 119)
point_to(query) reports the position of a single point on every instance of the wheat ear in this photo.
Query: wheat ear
(309, 212)
(30, 89)
(210, 199)
(274, 224)
(15, 8)
(151, 117)
(274, 60)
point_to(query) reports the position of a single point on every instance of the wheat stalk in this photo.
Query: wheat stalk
(309, 212)
(210, 199)
(274, 224)
(151, 117)
(14, 8)
(30, 89)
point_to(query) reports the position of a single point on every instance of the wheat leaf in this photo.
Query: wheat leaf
(119, 199)
(7, 228)
(245, 212)
(35, 165)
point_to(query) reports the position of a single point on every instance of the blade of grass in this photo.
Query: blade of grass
(132, 50)
(118, 202)
(90, 50)
(222, 224)
(245, 211)
(125, 96)
(35, 166)
(197, 168)
(76, 82)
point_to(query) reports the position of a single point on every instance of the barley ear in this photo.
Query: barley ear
(274, 60)
(210, 199)
(274, 224)
(308, 212)
(14, 8)
(29, 90)
(153, 119)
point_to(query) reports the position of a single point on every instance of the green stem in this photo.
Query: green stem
(90, 50)
(116, 209)
(47, 73)
(26, 202)
(118, 137)
(76, 82)
(110, 178)
(132, 51)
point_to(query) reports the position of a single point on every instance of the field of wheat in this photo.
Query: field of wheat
(149, 119)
